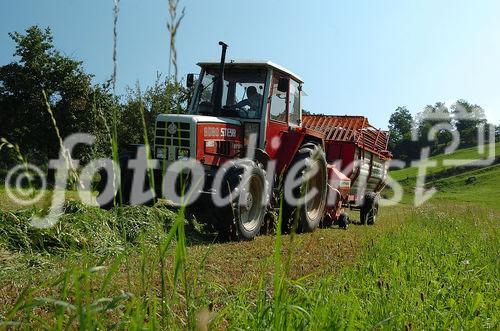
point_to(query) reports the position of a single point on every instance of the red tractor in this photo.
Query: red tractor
(253, 109)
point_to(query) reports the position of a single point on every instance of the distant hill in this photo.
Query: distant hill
(461, 154)
(475, 184)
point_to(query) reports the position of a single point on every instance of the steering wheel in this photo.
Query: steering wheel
(239, 111)
(245, 111)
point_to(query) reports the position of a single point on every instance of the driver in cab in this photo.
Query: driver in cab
(253, 101)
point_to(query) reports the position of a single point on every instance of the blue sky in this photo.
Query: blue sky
(356, 57)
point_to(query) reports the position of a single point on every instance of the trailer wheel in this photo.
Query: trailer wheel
(311, 213)
(343, 221)
(373, 212)
(369, 210)
(245, 215)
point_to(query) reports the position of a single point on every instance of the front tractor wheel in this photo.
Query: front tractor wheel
(247, 187)
(313, 178)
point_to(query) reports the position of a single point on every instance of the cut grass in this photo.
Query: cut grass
(7, 204)
(83, 228)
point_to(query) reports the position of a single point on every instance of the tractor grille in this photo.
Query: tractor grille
(170, 138)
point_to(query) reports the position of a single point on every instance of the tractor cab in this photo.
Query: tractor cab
(264, 97)
(242, 95)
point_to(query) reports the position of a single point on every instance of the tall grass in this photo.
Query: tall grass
(84, 310)
(20, 158)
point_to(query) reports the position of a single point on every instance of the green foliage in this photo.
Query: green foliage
(400, 127)
(438, 114)
(165, 96)
(470, 117)
(39, 67)
(77, 105)
(462, 117)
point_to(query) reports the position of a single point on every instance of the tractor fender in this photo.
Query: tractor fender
(258, 155)
(294, 139)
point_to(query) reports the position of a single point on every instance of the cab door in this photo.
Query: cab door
(277, 115)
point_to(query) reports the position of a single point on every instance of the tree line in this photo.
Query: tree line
(72, 103)
(409, 134)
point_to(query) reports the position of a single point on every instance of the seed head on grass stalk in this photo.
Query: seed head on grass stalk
(180, 270)
(172, 27)
(114, 140)
(20, 157)
(74, 177)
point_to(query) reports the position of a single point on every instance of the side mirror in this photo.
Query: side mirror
(283, 85)
(190, 80)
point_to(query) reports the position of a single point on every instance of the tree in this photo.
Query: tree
(24, 118)
(400, 143)
(431, 116)
(400, 125)
(76, 105)
(468, 118)
(164, 97)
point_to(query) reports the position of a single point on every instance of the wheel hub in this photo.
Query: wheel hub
(246, 201)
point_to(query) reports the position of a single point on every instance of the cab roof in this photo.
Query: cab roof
(253, 63)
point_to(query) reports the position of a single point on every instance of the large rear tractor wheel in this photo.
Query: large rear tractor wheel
(247, 187)
(313, 176)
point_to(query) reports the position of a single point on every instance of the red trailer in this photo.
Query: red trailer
(359, 152)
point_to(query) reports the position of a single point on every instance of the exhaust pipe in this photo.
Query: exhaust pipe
(220, 80)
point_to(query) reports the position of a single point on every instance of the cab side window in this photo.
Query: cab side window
(279, 101)
(294, 103)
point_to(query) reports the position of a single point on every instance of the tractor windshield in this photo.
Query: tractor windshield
(241, 97)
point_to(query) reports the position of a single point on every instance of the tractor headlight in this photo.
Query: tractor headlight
(182, 154)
